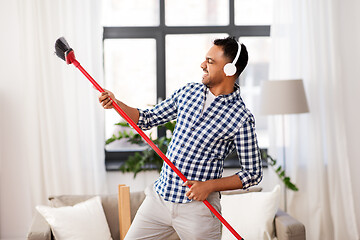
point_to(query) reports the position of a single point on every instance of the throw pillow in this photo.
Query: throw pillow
(85, 220)
(251, 214)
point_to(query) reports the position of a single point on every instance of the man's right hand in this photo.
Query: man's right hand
(105, 99)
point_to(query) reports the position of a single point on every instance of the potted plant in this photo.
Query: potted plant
(148, 159)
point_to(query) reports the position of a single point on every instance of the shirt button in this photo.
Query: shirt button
(182, 145)
(192, 129)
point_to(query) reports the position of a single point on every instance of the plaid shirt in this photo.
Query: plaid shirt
(200, 143)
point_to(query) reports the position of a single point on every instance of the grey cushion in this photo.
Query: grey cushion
(288, 227)
(136, 199)
(39, 228)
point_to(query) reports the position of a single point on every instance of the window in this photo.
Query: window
(128, 76)
(153, 47)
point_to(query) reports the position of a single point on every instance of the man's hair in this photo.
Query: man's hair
(230, 48)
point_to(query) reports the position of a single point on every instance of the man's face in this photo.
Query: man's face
(213, 67)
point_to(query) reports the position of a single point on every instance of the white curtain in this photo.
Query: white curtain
(67, 117)
(52, 135)
(51, 108)
(305, 46)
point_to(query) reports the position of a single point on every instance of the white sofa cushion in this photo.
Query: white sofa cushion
(85, 220)
(251, 214)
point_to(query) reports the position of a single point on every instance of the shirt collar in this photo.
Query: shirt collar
(234, 96)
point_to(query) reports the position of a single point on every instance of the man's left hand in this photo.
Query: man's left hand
(199, 191)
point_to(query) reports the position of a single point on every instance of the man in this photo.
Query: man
(212, 121)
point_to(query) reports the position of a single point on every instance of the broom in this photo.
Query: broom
(63, 51)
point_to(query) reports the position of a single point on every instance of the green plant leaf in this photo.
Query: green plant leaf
(110, 140)
(170, 126)
(123, 124)
(281, 174)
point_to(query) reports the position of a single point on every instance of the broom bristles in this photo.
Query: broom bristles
(61, 47)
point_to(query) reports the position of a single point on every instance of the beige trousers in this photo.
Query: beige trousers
(158, 219)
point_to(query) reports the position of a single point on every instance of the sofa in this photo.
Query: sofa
(286, 227)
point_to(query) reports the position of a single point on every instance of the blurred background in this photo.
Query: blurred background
(53, 130)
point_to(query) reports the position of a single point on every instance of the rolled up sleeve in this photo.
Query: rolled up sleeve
(249, 154)
(160, 114)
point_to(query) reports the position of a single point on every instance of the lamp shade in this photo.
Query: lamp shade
(283, 97)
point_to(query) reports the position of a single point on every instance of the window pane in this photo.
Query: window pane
(256, 71)
(196, 13)
(253, 12)
(131, 13)
(184, 54)
(130, 73)
(259, 57)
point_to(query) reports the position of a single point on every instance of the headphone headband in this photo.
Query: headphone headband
(230, 68)
(237, 54)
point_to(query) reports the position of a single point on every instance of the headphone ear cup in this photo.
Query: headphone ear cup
(229, 69)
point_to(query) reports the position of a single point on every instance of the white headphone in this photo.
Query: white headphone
(230, 68)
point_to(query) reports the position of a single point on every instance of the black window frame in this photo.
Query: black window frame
(114, 159)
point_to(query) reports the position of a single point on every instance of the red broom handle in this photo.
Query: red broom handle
(154, 147)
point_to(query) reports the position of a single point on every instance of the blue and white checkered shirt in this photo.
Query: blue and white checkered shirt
(200, 143)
